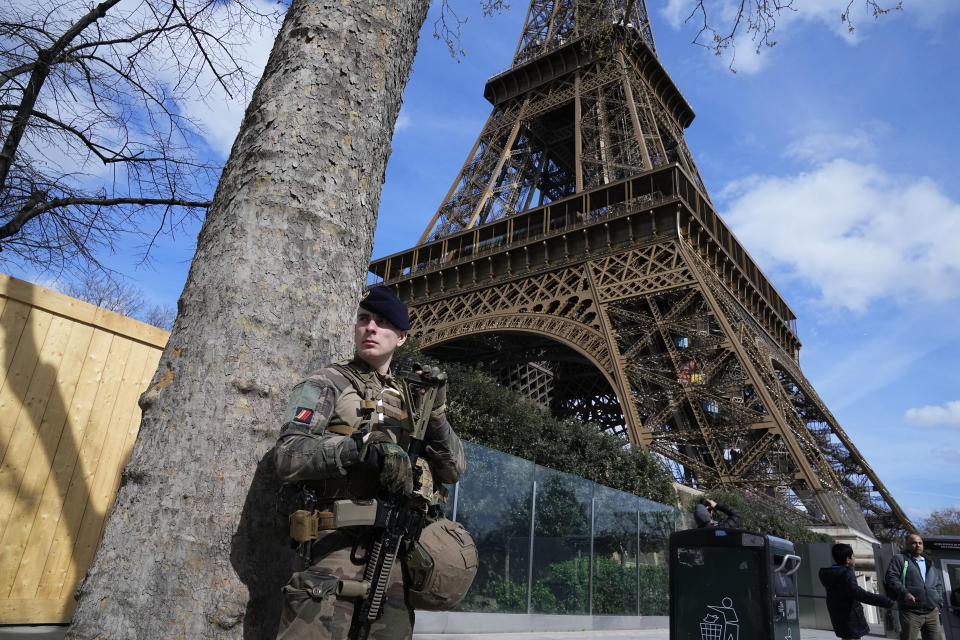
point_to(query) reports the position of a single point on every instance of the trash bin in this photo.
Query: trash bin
(728, 584)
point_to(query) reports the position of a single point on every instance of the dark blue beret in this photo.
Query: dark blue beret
(383, 301)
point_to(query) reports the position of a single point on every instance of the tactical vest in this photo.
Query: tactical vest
(381, 409)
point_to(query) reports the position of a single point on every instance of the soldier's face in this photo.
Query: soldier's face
(376, 338)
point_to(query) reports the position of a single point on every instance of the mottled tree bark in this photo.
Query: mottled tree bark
(193, 547)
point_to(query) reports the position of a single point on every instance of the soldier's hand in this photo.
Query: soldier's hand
(430, 374)
(434, 376)
(391, 462)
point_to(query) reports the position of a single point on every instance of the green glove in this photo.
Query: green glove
(394, 473)
(431, 374)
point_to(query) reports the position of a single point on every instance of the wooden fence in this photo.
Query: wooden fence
(70, 376)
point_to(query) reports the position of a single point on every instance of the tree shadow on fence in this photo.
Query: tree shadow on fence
(44, 487)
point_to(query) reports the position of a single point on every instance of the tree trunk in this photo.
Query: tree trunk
(193, 547)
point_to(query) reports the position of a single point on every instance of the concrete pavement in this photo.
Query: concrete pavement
(620, 634)
(56, 633)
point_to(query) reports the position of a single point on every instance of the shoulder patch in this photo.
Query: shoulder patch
(303, 415)
(305, 397)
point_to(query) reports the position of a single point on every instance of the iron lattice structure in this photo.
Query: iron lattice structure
(578, 254)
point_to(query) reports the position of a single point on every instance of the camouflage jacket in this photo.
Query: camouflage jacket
(314, 445)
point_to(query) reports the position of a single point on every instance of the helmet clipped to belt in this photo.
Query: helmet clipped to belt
(441, 566)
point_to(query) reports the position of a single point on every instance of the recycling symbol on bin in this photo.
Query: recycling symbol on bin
(723, 625)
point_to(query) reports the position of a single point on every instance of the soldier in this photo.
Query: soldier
(342, 437)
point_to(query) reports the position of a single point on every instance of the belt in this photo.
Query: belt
(341, 429)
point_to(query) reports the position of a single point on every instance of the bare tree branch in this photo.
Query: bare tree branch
(757, 20)
(38, 76)
(85, 89)
(41, 206)
(448, 26)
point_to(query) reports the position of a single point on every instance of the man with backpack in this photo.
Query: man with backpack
(915, 583)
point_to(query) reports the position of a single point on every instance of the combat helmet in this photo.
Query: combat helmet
(441, 566)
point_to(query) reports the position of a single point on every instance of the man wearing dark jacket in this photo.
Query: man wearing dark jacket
(916, 584)
(704, 511)
(844, 595)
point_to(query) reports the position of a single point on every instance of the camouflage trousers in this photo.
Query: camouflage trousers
(312, 610)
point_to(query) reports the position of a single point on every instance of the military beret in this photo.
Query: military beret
(383, 301)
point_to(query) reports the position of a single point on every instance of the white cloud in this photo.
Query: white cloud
(676, 11)
(817, 146)
(403, 120)
(852, 231)
(934, 416)
(930, 14)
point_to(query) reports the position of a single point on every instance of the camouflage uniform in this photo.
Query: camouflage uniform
(315, 448)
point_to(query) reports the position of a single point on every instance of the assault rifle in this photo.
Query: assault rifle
(399, 518)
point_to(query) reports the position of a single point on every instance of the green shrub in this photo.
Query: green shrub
(654, 590)
(564, 588)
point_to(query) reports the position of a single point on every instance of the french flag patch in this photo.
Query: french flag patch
(303, 415)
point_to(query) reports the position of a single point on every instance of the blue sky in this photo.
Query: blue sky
(833, 158)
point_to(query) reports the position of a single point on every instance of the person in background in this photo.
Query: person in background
(704, 512)
(844, 595)
(916, 584)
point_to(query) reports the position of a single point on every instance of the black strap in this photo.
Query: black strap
(333, 541)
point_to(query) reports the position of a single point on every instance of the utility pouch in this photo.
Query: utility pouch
(304, 525)
(354, 513)
(309, 597)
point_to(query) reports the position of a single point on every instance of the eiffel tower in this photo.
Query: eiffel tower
(577, 254)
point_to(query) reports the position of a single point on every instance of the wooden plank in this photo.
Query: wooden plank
(12, 321)
(78, 493)
(130, 328)
(35, 516)
(46, 299)
(81, 311)
(26, 430)
(20, 372)
(67, 506)
(113, 456)
(35, 611)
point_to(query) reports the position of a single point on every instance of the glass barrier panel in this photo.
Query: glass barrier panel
(561, 546)
(493, 503)
(615, 577)
(657, 522)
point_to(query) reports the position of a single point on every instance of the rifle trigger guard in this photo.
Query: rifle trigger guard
(353, 553)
